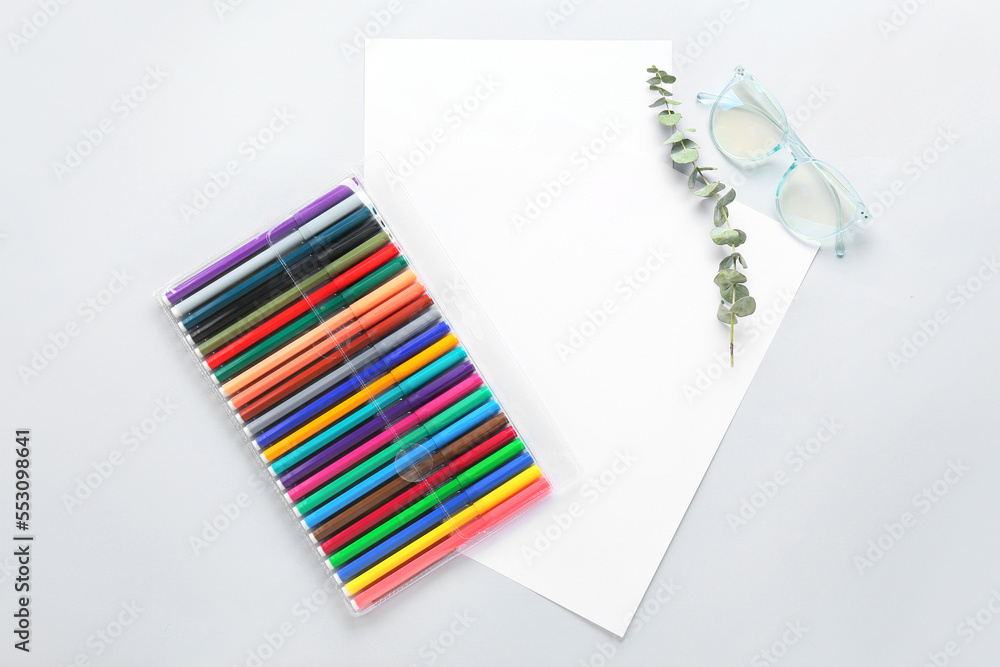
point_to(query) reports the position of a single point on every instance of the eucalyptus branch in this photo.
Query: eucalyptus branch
(737, 301)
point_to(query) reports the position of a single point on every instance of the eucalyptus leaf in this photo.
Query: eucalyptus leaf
(673, 102)
(723, 314)
(658, 103)
(720, 216)
(654, 80)
(726, 262)
(744, 306)
(741, 237)
(707, 190)
(684, 156)
(728, 198)
(671, 118)
(725, 236)
(652, 70)
(739, 257)
(727, 292)
(667, 78)
(675, 137)
(692, 179)
(726, 278)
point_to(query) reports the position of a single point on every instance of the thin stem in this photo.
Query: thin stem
(732, 325)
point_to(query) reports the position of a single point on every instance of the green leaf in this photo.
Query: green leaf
(666, 77)
(684, 156)
(728, 198)
(655, 80)
(724, 315)
(682, 145)
(727, 262)
(671, 118)
(676, 136)
(708, 189)
(673, 102)
(744, 306)
(721, 214)
(726, 278)
(739, 257)
(658, 103)
(741, 293)
(741, 237)
(692, 179)
(725, 236)
(652, 70)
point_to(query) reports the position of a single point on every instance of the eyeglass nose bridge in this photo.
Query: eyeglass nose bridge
(794, 144)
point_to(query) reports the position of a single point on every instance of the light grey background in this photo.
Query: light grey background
(880, 99)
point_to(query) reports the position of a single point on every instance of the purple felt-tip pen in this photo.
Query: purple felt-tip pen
(241, 254)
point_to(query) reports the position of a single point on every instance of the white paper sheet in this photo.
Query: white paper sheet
(539, 166)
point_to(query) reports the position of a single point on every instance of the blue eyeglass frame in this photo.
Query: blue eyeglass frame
(800, 156)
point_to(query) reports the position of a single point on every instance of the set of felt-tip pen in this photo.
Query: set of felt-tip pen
(356, 394)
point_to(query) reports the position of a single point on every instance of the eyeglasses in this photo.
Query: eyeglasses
(813, 199)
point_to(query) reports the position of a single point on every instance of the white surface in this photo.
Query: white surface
(881, 101)
(617, 250)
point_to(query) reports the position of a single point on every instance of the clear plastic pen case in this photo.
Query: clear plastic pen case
(354, 361)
